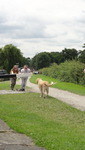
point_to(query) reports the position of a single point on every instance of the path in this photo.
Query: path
(74, 100)
(10, 140)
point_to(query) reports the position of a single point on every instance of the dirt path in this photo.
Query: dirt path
(74, 100)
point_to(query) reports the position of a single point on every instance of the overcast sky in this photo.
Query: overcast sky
(35, 26)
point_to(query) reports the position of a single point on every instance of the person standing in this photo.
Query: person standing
(24, 79)
(14, 70)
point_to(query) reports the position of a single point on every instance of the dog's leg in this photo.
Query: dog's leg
(41, 90)
(47, 91)
(44, 95)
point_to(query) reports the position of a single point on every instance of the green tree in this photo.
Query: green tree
(56, 57)
(11, 56)
(33, 62)
(82, 56)
(1, 62)
(69, 54)
(26, 61)
(40, 60)
(83, 45)
(43, 60)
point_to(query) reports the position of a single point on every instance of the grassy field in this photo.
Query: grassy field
(51, 123)
(71, 87)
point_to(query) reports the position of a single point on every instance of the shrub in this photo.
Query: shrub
(69, 71)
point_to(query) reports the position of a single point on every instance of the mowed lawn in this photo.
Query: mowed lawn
(51, 123)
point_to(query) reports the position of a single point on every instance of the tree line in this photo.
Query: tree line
(45, 59)
(11, 55)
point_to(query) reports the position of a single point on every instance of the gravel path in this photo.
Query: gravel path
(72, 99)
(2, 92)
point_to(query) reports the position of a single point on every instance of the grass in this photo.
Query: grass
(71, 87)
(6, 85)
(51, 123)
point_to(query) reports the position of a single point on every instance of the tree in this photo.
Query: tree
(56, 57)
(83, 45)
(69, 54)
(43, 60)
(26, 61)
(40, 60)
(11, 56)
(33, 62)
(82, 56)
(1, 60)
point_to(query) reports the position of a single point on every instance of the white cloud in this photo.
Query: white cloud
(42, 25)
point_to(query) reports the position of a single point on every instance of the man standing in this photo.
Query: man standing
(24, 79)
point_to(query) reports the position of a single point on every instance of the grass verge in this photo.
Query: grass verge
(71, 87)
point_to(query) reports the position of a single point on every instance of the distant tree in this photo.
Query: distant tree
(83, 45)
(69, 54)
(26, 61)
(33, 62)
(40, 60)
(11, 56)
(1, 58)
(82, 56)
(56, 57)
(43, 60)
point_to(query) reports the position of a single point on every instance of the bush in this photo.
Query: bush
(69, 71)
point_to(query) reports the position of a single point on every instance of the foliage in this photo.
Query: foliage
(11, 55)
(83, 45)
(25, 61)
(69, 54)
(69, 71)
(56, 57)
(44, 59)
(82, 56)
(41, 60)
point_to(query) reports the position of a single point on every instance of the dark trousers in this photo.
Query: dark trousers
(13, 82)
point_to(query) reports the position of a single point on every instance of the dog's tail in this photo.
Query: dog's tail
(50, 84)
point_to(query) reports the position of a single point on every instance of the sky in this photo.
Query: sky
(36, 26)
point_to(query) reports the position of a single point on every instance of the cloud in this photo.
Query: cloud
(36, 26)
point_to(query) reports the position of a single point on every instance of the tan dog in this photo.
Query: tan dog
(43, 86)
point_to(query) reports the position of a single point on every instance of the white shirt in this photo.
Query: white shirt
(25, 71)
